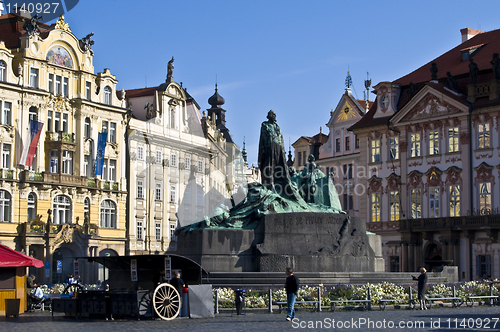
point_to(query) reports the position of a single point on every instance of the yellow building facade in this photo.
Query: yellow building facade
(58, 209)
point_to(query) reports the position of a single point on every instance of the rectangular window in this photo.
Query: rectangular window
(67, 162)
(53, 162)
(139, 230)
(105, 127)
(86, 129)
(158, 192)
(57, 122)
(394, 263)
(337, 146)
(112, 132)
(140, 153)
(172, 194)
(299, 158)
(140, 189)
(6, 156)
(173, 237)
(375, 207)
(454, 195)
(50, 83)
(415, 145)
(375, 151)
(356, 142)
(485, 197)
(49, 121)
(88, 87)
(105, 170)
(434, 202)
(483, 136)
(415, 203)
(304, 158)
(159, 157)
(158, 231)
(483, 266)
(394, 205)
(347, 143)
(187, 163)
(112, 170)
(34, 77)
(65, 87)
(433, 142)
(86, 165)
(65, 123)
(58, 85)
(200, 166)
(347, 170)
(453, 139)
(393, 148)
(7, 113)
(173, 160)
(348, 199)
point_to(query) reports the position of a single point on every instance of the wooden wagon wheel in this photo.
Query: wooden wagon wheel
(166, 301)
(73, 288)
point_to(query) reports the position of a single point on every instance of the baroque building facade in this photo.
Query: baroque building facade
(57, 209)
(181, 164)
(432, 142)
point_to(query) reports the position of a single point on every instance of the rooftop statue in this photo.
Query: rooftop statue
(280, 192)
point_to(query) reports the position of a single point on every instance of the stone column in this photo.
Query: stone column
(404, 256)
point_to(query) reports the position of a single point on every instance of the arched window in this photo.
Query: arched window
(61, 209)
(107, 95)
(33, 113)
(86, 129)
(3, 71)
(108, 214)
(31, 206)
(5, 206)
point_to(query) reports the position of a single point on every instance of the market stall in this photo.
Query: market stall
(13, 279)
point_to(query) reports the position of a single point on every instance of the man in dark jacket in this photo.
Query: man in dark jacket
(292, 287)
(178, 284)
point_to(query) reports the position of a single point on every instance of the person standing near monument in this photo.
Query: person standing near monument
(422, 286)
(291, 287)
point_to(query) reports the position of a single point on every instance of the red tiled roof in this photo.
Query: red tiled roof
(452, 60)
(11, 29)
(140, 92)
(368, 121)
(487, 44)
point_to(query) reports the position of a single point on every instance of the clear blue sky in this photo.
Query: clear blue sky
(286, 55)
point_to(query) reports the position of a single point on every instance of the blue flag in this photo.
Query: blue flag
(101, 146)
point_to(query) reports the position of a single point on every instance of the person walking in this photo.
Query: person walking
(178, 284)
(291, 287)
(422, 286)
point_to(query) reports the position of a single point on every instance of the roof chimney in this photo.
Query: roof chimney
(468, 33)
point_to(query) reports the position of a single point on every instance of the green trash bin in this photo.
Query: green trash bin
(12, 307)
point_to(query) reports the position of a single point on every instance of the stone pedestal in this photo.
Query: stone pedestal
(308, 242)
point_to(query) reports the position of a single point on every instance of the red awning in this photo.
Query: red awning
(12, 258)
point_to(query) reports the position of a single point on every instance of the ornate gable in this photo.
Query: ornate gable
(347, 113)
(430, 106)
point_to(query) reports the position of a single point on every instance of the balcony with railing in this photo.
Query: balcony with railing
(60, 137)
(66, 179)
(7, 174)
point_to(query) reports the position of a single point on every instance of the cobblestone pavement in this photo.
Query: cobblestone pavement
(482, 318)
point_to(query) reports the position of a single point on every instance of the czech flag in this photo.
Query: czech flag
(29, 150)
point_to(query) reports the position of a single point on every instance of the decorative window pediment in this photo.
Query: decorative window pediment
(430, 106)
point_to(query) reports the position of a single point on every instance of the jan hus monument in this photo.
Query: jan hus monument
(290, 219)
